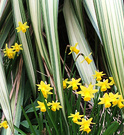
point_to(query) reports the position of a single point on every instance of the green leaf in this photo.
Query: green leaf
(20, 88)
(6, 29)
(111, 129)
(2, 7)
(25, 123)
(19, 130)
(4, 97)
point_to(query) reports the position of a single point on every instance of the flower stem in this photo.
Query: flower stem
(84, 108)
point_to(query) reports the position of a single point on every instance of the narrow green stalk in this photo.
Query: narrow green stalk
(72, 70)
(85, 107)
(78, 103)
(41, 120)
(29, 122)
(95, 104)
(19, 130)
(38, 120)
(48, 129)
(64, 64)
(113, 114)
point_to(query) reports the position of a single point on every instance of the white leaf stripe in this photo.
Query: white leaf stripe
(4, 98)
(25, 40)
(34, 7)
(110, 16)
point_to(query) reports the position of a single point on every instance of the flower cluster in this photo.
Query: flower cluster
(115, 99)
(10, 52)
(45, 89)
(85, 92)
(88, 93)
(84, 124)
(107, 99)
(54, 106)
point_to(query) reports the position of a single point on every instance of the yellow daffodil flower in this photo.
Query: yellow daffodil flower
(114, 98)
(22, 27)
(104, 85)
(4, 124)
(42, 106)
(87, 59)
(75, 117)
(98, 75)
(65, 83)
(85, 124)
(120, 100)
(9, 52)
(112, 81)
(73, 83)
(45, 89)
(17, 47)
(87, 92)
(73, 49)
(55, 105)
(106, 100)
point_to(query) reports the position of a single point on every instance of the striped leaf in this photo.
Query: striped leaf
(19, 16)
(4, 97)
(16, 90)
(77, 5)
(5, 9)
(110, 16)
(89, 7)
(35, 13)
(76, 35)
(50, 13)
(3, 4)
(6, 29)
